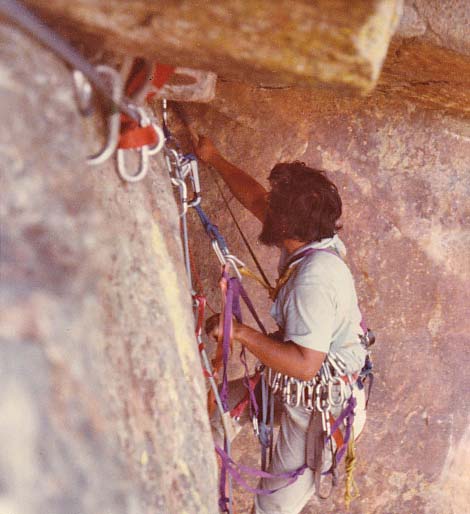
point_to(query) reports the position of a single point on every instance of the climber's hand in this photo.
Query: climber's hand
(213, 326)
(204, 148)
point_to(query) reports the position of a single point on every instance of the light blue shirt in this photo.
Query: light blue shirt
(317, 308)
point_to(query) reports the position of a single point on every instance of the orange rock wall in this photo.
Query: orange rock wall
(403, 176)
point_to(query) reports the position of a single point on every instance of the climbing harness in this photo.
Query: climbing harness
(132, 129)
(327, 391)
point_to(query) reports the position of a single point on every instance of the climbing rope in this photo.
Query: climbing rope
(133, 129)
(263, 280)
(25, 19)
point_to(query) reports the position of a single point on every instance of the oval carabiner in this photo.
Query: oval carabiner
(172, 161)
(143, 155)
(114, 119)
(308, 395)
(83, 92)
(336, 392)
(153, 150)
(183, 194)
(233, 262)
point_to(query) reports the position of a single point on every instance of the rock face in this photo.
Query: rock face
(404, 177)
(102, 404)
(428, 60)
(341, 43)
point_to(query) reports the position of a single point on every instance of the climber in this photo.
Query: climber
(316, 309)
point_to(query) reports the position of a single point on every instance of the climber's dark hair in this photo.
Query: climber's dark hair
(303, 204)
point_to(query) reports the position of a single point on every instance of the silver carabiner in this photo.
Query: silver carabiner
(218, 252)
(332, 360)
(114, 119)
(294, 392)
(288, 390)
(308, 395)
(285, 382)
(194, 170)
(143, 155)
(276, 382)
(172, 161)
(318, 395)
(235, 259)
(336, 392)
(153, 150)
(183, 194)
(83, 92)
(338, 363)
(230, 259)
(298, 393)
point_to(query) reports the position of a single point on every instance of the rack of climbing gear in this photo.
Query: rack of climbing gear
(128, 126)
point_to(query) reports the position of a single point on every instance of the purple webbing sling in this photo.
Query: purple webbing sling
(236, 471)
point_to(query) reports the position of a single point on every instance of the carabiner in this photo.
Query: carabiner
(153, 150)
(230, 259)
(172, 161)
(332, 359)
(218, 252)
(194, 176)
(183, 194)
(235, 259)
(143, 155)
(83, 92)
(308, 394)
(276, 382)
(114, 119)
(336, 392)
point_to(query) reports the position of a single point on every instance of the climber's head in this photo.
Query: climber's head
(304, 205)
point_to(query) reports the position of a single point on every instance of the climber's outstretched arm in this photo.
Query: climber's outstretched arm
(250, 193)
(287, 357)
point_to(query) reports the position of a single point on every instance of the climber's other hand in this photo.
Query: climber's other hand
(212, 326)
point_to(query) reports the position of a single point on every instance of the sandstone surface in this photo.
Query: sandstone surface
(339, 43)
(342, 45)
(102, 400)
(96, 325)
(403, 173)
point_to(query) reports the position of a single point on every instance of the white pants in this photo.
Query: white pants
(289, 455)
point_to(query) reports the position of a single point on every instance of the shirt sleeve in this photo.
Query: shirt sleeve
(309, 314)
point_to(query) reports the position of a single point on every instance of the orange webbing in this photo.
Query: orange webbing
(132, 134)
(338, 435)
